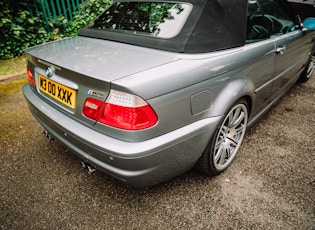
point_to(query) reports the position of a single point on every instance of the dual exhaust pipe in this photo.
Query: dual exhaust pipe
(48, 135)
(84, 164)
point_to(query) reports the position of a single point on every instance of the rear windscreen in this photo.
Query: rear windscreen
(157, 19)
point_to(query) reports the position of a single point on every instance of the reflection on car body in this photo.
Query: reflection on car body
(151, 89)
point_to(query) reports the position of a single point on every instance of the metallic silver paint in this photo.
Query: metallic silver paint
(139, 163)
(190, 94)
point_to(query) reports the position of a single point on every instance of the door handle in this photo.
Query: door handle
(281, 49)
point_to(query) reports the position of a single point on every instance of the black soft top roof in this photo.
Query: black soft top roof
(212, 25)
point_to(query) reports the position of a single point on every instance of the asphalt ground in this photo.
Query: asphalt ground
(270, 185)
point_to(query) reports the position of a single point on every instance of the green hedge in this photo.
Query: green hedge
(22, 25)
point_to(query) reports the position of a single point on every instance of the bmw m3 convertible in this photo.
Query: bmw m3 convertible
(151, 89)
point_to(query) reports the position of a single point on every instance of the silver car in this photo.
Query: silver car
(151, 89)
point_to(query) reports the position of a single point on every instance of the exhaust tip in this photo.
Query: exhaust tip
(48, 135)
(86, 165)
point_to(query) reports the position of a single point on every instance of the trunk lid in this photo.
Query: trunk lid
(68, 71)
(100, 59)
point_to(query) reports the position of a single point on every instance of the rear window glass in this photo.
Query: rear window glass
(157, 19)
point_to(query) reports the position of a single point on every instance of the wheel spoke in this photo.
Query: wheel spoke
(233, 141)
(228, 153)
(218, 143)
(219, 153)
(230, 120)
(239, 129)
(223, 156)
(239, 119)
(237, 113)
(224, 129)
(235, 117)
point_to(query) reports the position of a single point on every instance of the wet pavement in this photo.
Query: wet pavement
(270, 185)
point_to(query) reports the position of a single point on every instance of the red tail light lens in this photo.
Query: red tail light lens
(30, 76)
(127, 111)
(92, 108)
(130, 118)
(121, 110)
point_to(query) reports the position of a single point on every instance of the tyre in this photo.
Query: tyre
(226, 141)
(308, 71)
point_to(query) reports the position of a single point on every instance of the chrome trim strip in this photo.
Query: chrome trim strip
(264, 85)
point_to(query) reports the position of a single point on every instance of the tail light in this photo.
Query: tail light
(30, 76)
(121, 110)
(92, 108)
(127, 111)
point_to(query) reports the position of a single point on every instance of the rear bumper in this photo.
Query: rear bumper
(139, 164)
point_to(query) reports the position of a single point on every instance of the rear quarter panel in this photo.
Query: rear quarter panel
(220, 78)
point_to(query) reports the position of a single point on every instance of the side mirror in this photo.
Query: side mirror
(309, 23)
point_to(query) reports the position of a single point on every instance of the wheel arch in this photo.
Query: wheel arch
(234, 91)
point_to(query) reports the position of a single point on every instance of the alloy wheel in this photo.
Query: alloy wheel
(230, 136)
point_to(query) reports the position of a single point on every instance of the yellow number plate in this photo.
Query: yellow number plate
(57, 91)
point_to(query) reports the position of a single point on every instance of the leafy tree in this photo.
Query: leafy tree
(22, 24)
